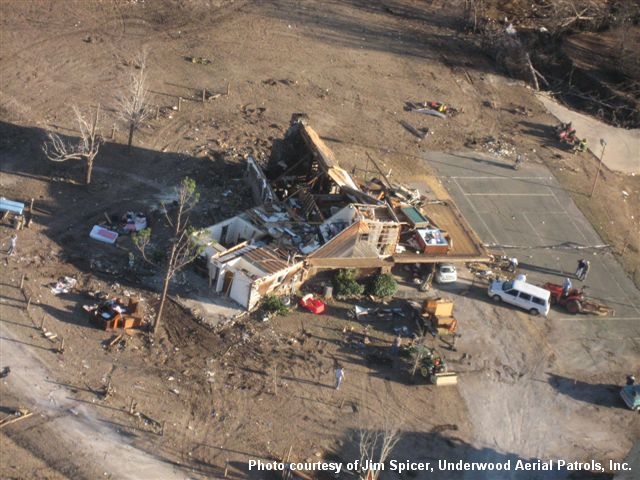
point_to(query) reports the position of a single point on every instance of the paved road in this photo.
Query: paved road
(622, 148)
(527, 214)
(535, 387)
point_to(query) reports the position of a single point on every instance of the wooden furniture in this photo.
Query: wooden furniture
(112, 314)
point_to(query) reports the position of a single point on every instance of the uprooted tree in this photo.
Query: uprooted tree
(85, 149)
(182, 246)
(132, 99)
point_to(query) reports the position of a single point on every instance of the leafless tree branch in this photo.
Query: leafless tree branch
(375, 446)
(133, 99)
(86, 148)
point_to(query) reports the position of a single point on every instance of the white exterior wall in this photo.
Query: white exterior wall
(242, 230)
(346, 214)
(240, 289)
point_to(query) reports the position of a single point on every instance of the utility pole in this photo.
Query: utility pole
(595, 180)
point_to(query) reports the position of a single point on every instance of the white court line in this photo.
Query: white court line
(604, 264)
(499, 178)
(550, 194)
(532, 212)
(509, 194)
(473, 207)
(535, 231)
(595, 317)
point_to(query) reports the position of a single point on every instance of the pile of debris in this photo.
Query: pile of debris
(498, 147)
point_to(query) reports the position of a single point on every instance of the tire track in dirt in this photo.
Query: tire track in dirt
(71, 422)
(60, 224)
(510, 385)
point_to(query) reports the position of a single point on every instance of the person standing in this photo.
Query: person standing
(566, 286)
(396, 345)
(581, 146)
(585, 270)
(339, 376)
(12, 244)
(581, 264)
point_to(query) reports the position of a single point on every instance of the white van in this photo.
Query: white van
(521, 294)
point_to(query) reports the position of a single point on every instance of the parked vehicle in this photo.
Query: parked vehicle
(446, 273)
(534, 299)
(575, 301)
(631, 396)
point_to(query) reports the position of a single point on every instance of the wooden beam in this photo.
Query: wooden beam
(379, 170)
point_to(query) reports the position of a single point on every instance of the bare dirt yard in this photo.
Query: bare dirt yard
(200, 401)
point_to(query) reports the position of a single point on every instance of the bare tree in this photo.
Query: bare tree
(562, 14)
(86, 149)
(473, 10)
(183, 249)
(132, 100)
(376, 445)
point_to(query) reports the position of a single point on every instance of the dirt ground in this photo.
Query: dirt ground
(211, 399)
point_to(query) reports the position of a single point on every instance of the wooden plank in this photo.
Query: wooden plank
(465, 241)
(375, 164)
(15, 418)
(318, 147)
(449, 378)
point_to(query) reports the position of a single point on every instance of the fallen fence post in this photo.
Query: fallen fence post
(22, 281)
(275, 380)
(179, 103)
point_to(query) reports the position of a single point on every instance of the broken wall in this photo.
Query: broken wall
(384, 237)
(233, 231)
(285, 282)
(260, 187)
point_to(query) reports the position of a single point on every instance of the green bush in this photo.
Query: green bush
(345, 284)
(275, 304)
(383, 285)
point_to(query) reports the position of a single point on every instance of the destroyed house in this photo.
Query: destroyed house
(312, 215)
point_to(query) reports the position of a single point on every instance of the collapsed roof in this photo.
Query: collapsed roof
(310, 209)
(311, 215)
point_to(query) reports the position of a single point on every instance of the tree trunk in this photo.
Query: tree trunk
(163, 298)
(88, 170)
(165, 288)
(131, 129)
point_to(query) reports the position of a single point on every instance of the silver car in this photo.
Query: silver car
(446, 273)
